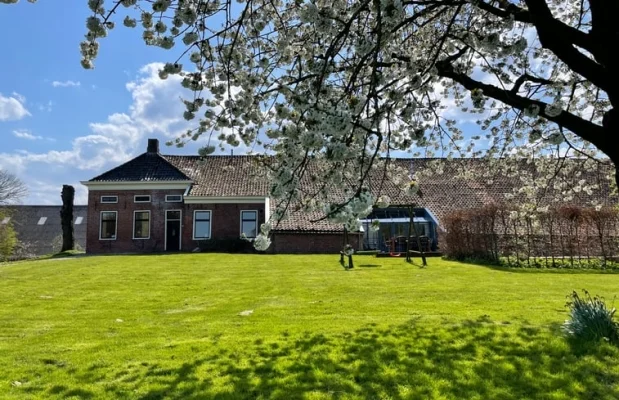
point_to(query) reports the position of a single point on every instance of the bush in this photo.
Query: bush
(550, 237)
(226, 246)
(590, 319)
(8, 240)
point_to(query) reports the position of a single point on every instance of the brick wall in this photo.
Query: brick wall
(225, 221)
(312, 242)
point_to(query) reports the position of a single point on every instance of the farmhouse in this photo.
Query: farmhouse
(168, 203)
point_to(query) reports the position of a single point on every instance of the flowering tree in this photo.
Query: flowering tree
(329, 87)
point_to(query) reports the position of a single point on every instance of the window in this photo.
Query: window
(42, 221)
(78, 220)
(5, 220)
(249, 223)
(109, 199)
(201, 225)
(141, 224)
(141, 199)
(108, 225)
(173, 198)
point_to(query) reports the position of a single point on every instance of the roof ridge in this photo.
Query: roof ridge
(173, 166)
(136, 159)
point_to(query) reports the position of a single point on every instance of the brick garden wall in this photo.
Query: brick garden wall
(311, 242)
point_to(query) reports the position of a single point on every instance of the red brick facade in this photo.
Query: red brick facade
(284, 242)
(225, 221)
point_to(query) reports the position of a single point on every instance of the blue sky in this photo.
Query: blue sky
(62, 124)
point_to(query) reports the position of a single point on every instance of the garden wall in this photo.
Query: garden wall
(548, 237)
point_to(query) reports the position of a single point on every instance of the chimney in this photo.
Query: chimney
(153, 146)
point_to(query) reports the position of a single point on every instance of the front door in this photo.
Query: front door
(173, 230)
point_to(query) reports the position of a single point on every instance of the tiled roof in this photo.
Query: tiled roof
(235, 176)
(39, 230)
(299, 220)
(147, 167)
(222, 175)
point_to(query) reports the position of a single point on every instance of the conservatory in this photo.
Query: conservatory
(393, 230)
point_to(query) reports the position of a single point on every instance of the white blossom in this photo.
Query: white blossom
(531, 111)
(262, 242)
(190, 37)
(130, 22)
(555, 138)
(554, 109)
(383, 201)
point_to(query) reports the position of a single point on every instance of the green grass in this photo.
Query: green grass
(154, 327)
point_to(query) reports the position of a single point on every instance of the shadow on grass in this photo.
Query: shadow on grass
(474, 359)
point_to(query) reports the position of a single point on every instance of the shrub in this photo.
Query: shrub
(226, 246)
(590, 319)
(8, 240)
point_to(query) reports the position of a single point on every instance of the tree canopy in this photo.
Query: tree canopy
(343, 84)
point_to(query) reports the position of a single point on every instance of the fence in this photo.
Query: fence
(559, 236)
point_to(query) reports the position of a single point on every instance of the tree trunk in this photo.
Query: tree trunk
(411, 214)
(66, 217)
(423, 256)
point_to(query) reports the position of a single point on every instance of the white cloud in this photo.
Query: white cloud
(156, 112)
(68, 83)
(12, 108)
(24, 134)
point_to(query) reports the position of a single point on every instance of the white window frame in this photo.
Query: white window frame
(167, 198)
(241, 222)
(135, 198)
(149, 225)
(109, 202)
(210, 225)
(101, 225)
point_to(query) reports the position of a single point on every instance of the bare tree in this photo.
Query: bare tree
(12, 189)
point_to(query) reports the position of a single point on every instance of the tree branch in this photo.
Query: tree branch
(586, 130)
(550, 39)
(566, 32)
(528, 78)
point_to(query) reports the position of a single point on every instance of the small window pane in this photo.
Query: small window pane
(141, 227)
(203, 229)
(5, 220)
(174, 215)
(173, 198)
(108, 225)
(79, 220)
(249, 229)
(249, 223)
(109, 199)
(203, 215)
(42, 221)
(142, 199)
(202, 225)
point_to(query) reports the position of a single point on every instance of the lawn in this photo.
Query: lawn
(168, 326)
